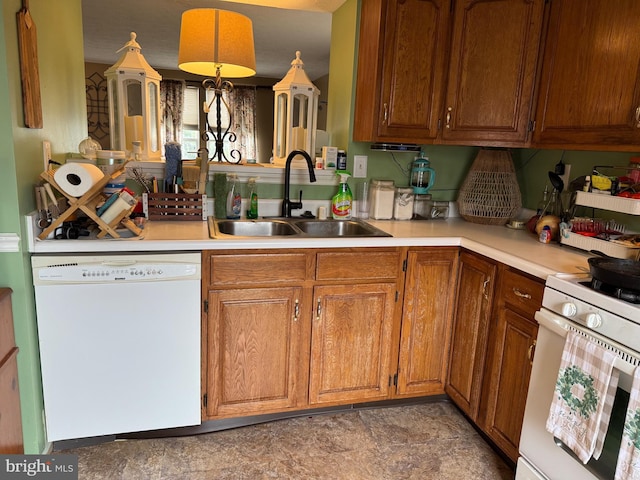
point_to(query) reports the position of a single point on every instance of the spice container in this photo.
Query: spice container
(403, 204)
(382, 198)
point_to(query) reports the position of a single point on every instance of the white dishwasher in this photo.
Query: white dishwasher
(119, 342)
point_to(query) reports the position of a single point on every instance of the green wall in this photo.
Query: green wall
(61, 70)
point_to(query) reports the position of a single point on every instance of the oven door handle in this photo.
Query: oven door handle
(626, 360)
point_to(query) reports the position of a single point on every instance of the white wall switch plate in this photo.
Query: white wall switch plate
(359, 166)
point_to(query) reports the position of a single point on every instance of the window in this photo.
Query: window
(192, 122)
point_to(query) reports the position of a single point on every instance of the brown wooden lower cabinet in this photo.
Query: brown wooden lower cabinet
(474, 298)
(493, 346)
(295, 329)
(11, 441)
(429, 296)
(351, 343)
(511, 347)
(255, 362)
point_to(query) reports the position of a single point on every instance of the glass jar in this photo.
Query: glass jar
(403, 204)
(382, 198)
(422, 206)
(109, 161)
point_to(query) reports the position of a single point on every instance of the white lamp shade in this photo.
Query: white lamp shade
(212, 39)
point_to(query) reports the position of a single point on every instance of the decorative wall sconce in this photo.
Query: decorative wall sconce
(134, 104)
(295, 113)
(217, 43)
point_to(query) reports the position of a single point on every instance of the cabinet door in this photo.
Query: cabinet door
(509, 370)
(492, 71)
(589, 91)
(351, 343)
(426, 321)
(475, 288)
(512, 339)
(411, 58)
(255, 355)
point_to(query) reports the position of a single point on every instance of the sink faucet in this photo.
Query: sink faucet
(287, 204)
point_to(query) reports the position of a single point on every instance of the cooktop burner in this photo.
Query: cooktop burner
(631, 296)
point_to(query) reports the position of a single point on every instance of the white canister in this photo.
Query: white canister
(381, 199)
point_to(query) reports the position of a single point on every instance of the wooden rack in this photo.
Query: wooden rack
(175, 206)
(88, 204)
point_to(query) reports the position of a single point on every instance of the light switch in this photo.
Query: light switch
(359, 166)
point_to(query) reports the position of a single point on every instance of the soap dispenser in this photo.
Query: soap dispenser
(234, 201)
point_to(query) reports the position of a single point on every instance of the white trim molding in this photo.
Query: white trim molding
(9, 242)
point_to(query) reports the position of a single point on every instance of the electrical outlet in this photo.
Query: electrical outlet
(46, 153)
(359, 166)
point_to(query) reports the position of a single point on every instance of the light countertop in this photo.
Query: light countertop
(517, 248)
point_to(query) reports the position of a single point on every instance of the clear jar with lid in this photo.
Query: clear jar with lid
(422, 204)
(403, 204)
(109, 161)
(382, 195)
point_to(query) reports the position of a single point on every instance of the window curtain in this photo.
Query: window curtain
(242, 102)
(171, 105)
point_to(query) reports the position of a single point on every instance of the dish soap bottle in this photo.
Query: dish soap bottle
(234, 201)
(252, 211)
(342, 201)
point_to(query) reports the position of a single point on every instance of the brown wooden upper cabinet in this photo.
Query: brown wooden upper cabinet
(437, 71)
(494, 52)
(590, 79)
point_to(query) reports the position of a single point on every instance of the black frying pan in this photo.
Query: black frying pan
(617, 272)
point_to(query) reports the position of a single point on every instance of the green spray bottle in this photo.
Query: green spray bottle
(342, 202)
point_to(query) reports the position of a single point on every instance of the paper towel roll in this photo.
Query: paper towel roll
(76, 179)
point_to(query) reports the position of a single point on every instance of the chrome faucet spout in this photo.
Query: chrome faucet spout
(287, 204)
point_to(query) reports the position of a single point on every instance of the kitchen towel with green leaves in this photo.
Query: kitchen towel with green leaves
(628, 466)
(585, 390)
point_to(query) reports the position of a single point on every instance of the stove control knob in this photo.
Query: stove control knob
(594, 320)
(569, 309)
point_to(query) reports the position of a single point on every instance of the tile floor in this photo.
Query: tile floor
(420, 441)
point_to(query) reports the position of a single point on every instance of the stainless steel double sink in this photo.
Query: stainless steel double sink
(292, 227)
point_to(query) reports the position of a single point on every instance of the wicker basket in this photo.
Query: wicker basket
(490, 193)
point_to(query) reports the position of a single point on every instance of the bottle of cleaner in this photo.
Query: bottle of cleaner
(252, 211)
(234, 201)
(342, 201)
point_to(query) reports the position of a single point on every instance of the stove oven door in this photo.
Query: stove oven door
(540, 451)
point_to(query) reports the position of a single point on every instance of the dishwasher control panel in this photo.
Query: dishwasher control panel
(115, 273)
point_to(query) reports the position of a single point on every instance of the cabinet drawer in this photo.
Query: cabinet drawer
(366, 264)
(257, 269)
(522, 291)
